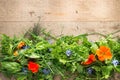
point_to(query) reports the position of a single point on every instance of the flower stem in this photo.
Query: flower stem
(96, 33)
(48, 65)
(114, 32)
(60, 72)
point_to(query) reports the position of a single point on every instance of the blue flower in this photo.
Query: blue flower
(25, 70)
(115, 62)
(25, 47)
(46, 71)
(49, 49)
(90, 70)
(49, 63)
(50, 41)
(68, 52)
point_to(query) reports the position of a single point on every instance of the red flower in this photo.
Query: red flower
(90, 59)
(33, 66)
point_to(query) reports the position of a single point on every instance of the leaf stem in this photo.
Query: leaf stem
(48, 66)
(60, 72)
(114, 32)
(96, 33)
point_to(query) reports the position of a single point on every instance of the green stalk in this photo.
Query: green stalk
(97, 77)
(96, 33)
(114, 32)
(48, 66)
(59, 72)
(49, 35)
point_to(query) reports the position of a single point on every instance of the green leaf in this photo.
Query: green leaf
(33, 55)
(73, 67)
(106, 70)
(21, 77)
(94, 47)
(103, 42)
(63, 61)
(11, 67)
(41, 45)
(79, 68)
(10, 50)
(118, 68)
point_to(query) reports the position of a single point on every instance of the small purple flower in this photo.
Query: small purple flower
(68, 52)
(115, 62)
(46, 71)
(90, 70)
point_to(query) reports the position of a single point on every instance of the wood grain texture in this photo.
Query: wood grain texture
(60, 10)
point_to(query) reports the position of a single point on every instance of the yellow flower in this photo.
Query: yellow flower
(15, 53)
(21, 44)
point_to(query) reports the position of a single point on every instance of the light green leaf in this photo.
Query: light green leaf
(11, 67)
(32, 55)
(106, 70)
(63, 61)
(94, 47)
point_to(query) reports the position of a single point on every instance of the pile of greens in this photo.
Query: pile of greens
(42, 57)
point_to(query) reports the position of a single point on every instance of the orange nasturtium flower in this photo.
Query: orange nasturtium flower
(90, 59)
(34, 67)
(15, 53)
(21, 44)
(104, 53)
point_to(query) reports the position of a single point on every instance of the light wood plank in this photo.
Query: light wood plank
(60, 10)
(58, 28)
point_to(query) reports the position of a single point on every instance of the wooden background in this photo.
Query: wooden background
(69, 17)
